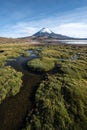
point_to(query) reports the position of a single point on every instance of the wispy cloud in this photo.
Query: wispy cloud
(72, 29)
(71, 23)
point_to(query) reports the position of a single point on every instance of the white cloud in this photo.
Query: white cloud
(72, 29)
(19, 30)
(24, 28)
(72, 23)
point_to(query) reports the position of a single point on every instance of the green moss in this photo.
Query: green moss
(26, 54)
(61, 97)
(43, 64)
(10, 82)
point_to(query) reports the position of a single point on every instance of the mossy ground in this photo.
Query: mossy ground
(61, 98)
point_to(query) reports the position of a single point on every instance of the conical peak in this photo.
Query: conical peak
(45, 30)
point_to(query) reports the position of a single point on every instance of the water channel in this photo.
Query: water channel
(13, 110)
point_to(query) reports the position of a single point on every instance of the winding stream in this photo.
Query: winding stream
(13, 110)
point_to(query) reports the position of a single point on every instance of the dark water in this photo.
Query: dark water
(13, 110)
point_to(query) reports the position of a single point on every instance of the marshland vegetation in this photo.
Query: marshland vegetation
(60, 98)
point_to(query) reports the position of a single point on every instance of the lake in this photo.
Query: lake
(74, 41)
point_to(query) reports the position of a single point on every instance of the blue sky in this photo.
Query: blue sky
(19, 18)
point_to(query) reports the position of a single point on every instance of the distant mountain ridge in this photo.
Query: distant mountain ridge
(44, 35)
(47, 33)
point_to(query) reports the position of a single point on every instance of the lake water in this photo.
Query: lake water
(74, 41)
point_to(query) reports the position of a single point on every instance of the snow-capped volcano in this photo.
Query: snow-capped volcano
(47, 33)
(45, 30)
